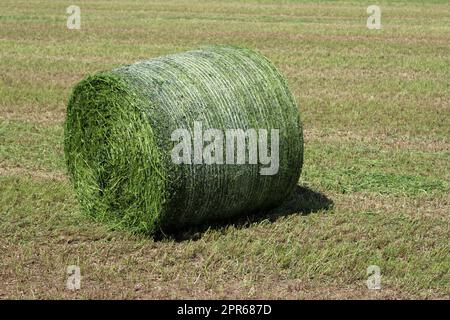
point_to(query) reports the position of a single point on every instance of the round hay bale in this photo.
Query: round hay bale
(119, 139)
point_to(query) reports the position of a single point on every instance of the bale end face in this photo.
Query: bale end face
(111, 155)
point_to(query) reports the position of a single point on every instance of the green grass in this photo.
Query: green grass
(376, 111)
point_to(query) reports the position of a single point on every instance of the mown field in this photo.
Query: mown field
(375, 185)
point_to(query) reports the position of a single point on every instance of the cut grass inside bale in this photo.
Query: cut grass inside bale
(118, 139)
(111, 154)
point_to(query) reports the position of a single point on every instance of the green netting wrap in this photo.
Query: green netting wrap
(119, 139)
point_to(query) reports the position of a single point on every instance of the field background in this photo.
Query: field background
(376, 111)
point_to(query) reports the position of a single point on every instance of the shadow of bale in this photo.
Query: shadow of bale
(302, 201)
